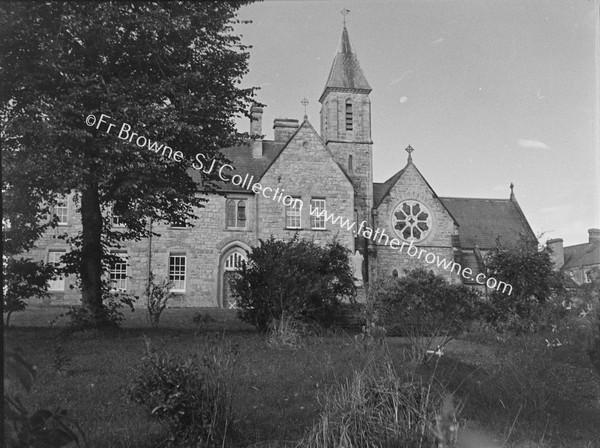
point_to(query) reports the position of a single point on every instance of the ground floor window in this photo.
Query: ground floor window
(57, 284)
(177, 263)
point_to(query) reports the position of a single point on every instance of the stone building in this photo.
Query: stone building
(276, 186)
(579, 262)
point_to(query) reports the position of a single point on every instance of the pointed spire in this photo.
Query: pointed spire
(345, 71)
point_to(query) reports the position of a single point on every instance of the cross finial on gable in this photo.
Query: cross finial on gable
(345, 12)
(409, 149)
(304, 102)
(512, 193)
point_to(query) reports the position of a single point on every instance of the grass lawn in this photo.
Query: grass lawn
(520, 390)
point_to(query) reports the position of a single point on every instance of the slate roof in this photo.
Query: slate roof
(345, 71)
(482, 221)
(586, 254)
(241, 158)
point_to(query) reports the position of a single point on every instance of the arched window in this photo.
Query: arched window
(395, 273)
(236, 213)
(349, 123)
(234, 261)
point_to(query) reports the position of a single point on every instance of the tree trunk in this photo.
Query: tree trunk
(91, 253)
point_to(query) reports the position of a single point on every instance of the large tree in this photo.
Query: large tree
(168, 71)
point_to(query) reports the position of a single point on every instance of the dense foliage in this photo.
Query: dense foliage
(423, 303)
(297, 278)
(157, 296)
(192, 395)
(43, 428)
(168, 70)
(529, 269)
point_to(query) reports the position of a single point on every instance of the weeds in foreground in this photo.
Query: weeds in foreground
(193, 395)
(377, 407)
(286, 332)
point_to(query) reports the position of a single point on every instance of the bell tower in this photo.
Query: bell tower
(346, 124)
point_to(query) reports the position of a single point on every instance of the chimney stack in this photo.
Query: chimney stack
(594, 235)
(256, 130)
(284, 128)
(256, 120)
(558, 253)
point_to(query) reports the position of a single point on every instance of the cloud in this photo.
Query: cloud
(532, 144)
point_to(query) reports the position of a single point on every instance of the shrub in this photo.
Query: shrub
(24, 278)
(423, 307)
(285, 332)
(297, 279)
(529, 269)
(192, 395)
(157, 295)
(379, 408)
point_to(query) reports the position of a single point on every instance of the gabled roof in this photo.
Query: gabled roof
(244, 163)
(579, 255)
(483, 221)
(345, 71)
(382, 190)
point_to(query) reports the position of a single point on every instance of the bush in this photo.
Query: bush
(529, 269)
(379, 408)
(157, 295)
(422, 306)
(192, 395)
(297, 279)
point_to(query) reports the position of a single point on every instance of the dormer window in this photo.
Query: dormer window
(349, 123)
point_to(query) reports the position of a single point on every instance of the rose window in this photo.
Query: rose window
(411, 221)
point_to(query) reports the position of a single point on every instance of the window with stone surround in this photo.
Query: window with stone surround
(317, 206)
(57, 284)
(115, 221)
(177, 262)
(118, 272)
(236, 213)
(61, 209)
(349, 123)
(411, 221)
(293, 214)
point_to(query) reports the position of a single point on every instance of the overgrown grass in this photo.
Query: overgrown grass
(543, 397)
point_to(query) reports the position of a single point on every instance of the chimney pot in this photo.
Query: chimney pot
(594, 235)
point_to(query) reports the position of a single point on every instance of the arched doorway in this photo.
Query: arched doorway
(230, 262)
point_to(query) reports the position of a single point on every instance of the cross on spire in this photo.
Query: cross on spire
(304, 102)
(345, 12)
(409, 149)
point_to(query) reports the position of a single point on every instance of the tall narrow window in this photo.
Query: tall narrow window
(350, 163)
(177, 271)
(116, 221)
(349, 126)
(57, 284)
(317, 220)
(293, 214)
(61, 209)
(235, 211)
(118, 272)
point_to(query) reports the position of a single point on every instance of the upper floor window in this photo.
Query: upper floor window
(115, 220)
(177, 262)
(57, 284)
(61, 209)
(236, 213)
(293, 214)
(179, 224)
(349, 123)
(118, 272)
(317, 219)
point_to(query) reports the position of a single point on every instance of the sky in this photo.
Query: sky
(486, 92)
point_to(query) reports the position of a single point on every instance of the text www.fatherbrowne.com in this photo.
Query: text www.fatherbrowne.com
(413, 251)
